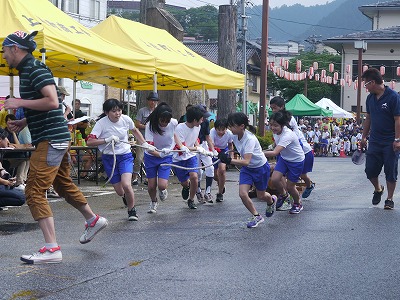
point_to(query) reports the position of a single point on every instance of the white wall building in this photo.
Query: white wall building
(383, 50)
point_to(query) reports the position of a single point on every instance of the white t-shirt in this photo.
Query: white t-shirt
(105, 128)
(166, 140)
(221, 142)
(289, 141)
(189, 137)
(250, 144)
(296, 130)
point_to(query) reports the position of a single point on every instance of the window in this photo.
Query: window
(73, 6)
(94, 9)
(390, 68)
(354, 108)
(255, 84)
(55, 2)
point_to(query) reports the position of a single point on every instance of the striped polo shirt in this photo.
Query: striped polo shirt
(43, 125)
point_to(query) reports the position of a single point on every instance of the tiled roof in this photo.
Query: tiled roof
(388, 35)
(384, 4)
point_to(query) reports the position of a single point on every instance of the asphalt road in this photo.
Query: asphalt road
(338, 247)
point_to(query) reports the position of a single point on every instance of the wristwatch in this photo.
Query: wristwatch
(397, 140)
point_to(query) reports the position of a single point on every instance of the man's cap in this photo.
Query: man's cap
(63, 91)
(203, 109)
(22, 40)
(153, 96)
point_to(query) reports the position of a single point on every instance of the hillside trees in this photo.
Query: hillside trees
(201, 22)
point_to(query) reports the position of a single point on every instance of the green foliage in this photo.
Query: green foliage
(315, 89)
(200, 22)
(265, 140)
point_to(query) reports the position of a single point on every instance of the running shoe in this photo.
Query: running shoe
(135, 182)
(92, 229)
(208, 198)
(153, 207)
(191, 204)
(132, 216)
(254, 221)
(296, 208)
(185, 192)
(163, 194)
(281, 200)
(287, 204)
(44, 256)
(389, 204)
(377, 196)
(308, 191)
(219, 197)
(269, 211)
(200, 197)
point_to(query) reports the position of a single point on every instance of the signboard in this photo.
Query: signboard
(86, 85)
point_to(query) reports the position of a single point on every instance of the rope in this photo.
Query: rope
(158, 150)
(114, 162)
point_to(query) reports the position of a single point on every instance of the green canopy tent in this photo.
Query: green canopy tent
(300, 105)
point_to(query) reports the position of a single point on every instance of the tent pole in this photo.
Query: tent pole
(155, 82)
(203, 94)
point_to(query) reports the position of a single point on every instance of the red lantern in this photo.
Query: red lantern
(311, 71)
(286, 64)
(315, 65)
(298, 66)
(317, 77)
(348, 68)
(342, 82)
(382, 70)
(336, 75)
(398, 71)
(323, 73)
(392, 84)
(355, 84)
(331, 67)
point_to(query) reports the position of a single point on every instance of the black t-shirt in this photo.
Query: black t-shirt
(204, 130)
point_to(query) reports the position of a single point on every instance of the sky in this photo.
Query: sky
(272, 3)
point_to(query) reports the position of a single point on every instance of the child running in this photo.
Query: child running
(222, 139)
(187, 133)
(278, 104)
(255, 168)
(290, 161)
(113, 126)
(159, 131)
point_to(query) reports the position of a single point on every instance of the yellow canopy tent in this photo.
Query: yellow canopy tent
(178, 67)
(73, 51)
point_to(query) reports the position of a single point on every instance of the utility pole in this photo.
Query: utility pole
(244, 58)
(264, 68)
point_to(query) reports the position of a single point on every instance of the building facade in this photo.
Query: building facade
(382, 50)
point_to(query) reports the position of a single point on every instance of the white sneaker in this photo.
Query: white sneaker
(153, 207)
(44, 256)
(92, 229)
(208, 198)
(163, 194)
(20, 187)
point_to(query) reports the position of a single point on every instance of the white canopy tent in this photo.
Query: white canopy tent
(338, 112)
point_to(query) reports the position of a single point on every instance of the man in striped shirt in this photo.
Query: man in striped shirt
(49, 163)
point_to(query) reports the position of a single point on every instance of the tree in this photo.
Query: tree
(200, 22)
(315, 89)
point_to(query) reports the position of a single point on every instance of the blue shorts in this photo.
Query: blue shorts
(181, 174)
(153, 168)
(308, 163)
(124, 164)
(292, 170)
(259, 176)
(378, 156)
